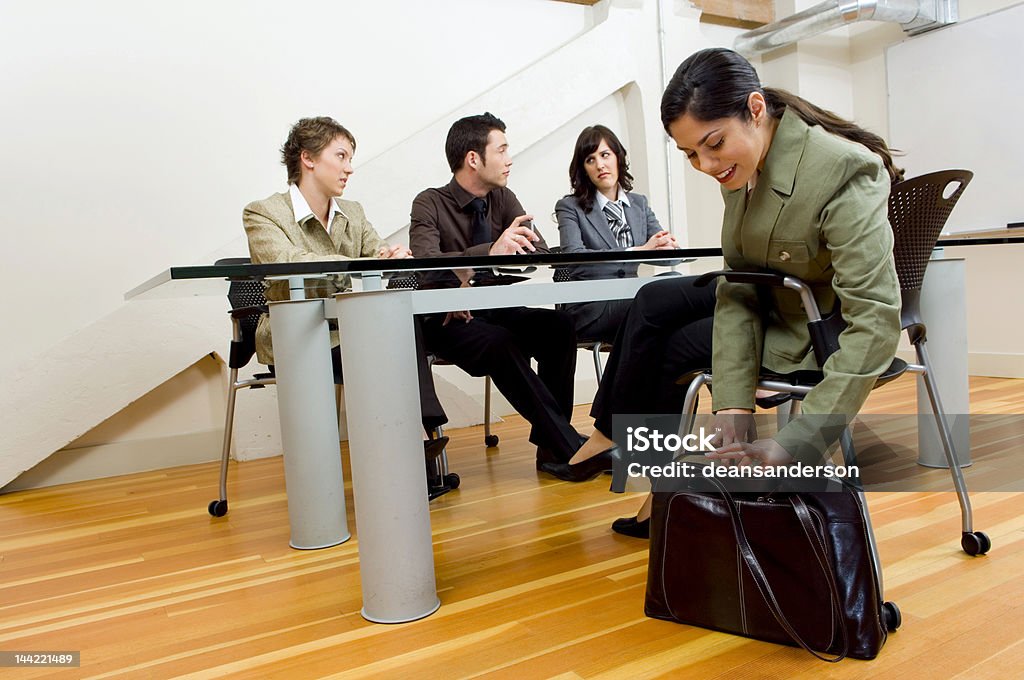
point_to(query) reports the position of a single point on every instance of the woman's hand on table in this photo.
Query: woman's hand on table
(660, 241)
(395, 252)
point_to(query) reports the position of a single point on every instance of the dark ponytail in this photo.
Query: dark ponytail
(715, 83)
(780, 100)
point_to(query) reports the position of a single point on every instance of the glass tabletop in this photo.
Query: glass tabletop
(323, 278)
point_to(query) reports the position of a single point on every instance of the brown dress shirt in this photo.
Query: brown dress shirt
(441, 224)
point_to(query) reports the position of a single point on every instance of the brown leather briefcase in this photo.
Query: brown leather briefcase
(790, 568)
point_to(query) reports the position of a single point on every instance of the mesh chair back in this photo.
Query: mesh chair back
(403, 281)
(244, 293)
(918, 210)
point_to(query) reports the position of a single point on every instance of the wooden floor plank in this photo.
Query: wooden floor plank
(136, 575)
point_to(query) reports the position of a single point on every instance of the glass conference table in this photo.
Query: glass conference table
(379, 363)
(383, 413)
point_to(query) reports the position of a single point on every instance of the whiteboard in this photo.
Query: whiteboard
(956, 100)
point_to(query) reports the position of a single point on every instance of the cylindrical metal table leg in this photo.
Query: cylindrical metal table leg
(389, 480)
(309, 425)
(944, 310)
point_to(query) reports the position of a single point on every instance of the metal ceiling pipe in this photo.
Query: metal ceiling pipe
(914, 15)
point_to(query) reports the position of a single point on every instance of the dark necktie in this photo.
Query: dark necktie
(481, 228)
(617, 221)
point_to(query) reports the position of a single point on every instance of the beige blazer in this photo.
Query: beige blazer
(275, 236)
(818, 212)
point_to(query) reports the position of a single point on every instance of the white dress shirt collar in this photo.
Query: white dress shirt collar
(304, 212)
(602, 200)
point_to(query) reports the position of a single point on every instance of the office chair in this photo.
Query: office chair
(918, 210)
(247, 304)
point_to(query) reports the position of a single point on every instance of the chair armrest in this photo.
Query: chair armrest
(824, 332)
(755, 278)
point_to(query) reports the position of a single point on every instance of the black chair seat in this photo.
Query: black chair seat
(804, 379)
(811, 378)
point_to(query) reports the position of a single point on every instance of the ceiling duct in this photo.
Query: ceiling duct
(915, 16)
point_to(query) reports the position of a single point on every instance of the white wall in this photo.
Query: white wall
(141, 131)
(134, 133)
(178, 423)
(994, 336)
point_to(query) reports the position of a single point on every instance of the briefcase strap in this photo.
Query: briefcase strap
(817, 546)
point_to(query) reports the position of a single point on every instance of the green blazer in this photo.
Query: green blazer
(818, 212)
(275, 236)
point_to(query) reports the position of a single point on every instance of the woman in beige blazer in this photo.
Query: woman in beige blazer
(806, 195)
(309, 222)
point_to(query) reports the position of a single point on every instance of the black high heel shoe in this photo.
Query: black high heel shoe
(581, 472)
(631, 526)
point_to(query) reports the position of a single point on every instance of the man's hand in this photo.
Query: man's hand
(395, 252)
(517, 239)
(464, 316)
(660, 241)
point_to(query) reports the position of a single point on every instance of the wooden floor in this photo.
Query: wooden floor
(132, 572)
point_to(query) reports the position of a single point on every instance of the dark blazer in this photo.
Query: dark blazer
(582, 231)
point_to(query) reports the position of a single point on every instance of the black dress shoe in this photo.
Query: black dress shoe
(432, 448)
(630, 526)
(546, 455)
(581, 472)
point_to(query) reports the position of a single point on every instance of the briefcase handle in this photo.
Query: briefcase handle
(754, 567)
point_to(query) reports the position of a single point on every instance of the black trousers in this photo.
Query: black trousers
(666, 333)
(500, 343)
(599, 320)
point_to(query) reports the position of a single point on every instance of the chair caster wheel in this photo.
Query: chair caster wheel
(891, 616)
(491, 440)
(218, 508)
(452, 480)
(975, 543)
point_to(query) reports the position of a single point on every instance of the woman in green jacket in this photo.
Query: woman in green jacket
(806, 195)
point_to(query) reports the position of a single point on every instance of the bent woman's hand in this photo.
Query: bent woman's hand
(733, 425)
(758, 452)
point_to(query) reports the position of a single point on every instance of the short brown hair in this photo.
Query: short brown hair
(312, 135)
(470, 134)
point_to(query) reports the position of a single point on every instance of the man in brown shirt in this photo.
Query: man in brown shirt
(476, 214)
